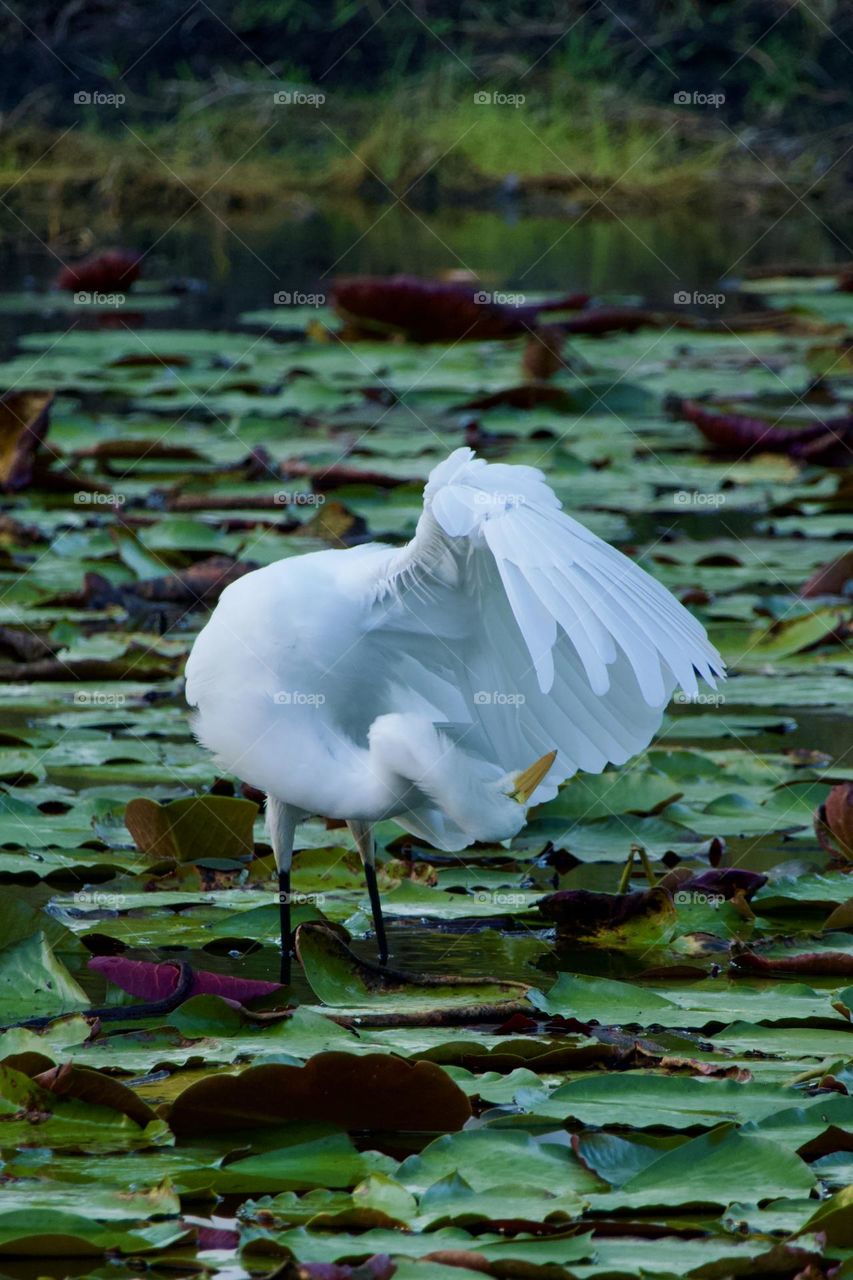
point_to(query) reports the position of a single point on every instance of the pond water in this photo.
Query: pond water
(242, 262)
(241, 266)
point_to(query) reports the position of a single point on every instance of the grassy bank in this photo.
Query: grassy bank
(428, 139)
(270, 101)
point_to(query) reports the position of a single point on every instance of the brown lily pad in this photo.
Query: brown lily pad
(24, 422)
(97, 1089)
(807, 964)
(719, 882)
(198, 827)
(834, 822)
(644, 918)
(543, 353)
(24, 645)
(831, 579)
(372, 1091)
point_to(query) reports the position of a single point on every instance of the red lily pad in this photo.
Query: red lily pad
(157, 981)
(437, 310)
(113, 270)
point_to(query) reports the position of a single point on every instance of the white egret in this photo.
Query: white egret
(416, 683)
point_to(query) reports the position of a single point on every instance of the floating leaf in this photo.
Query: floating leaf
(114, 270)
(714, 1169)
(24, 422)
(807, 964)
(835, 819)
(339, 978)
(436, 310)
(741, 434)
(33, 981)
(158, 981)
(482, 1157)
(356, 1092)
(199, 827)
(644, 919)
(830, 579)
(35, 1114)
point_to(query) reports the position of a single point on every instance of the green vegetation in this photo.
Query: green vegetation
(660, 1076)
(411, 143)
(619, 1046)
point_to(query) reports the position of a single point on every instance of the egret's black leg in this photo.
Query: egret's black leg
(376, 908)
(281, 820)
(362, 833)
(284, 919)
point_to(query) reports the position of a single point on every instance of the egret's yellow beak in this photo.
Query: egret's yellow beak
(527, 782)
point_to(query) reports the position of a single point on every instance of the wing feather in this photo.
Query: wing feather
(550, 637)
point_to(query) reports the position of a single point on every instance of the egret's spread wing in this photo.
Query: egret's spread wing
(551, 636)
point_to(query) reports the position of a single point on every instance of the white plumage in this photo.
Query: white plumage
(415, 683)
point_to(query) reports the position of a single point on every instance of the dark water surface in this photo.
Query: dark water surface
(241, 262)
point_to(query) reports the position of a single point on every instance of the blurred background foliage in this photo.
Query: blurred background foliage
(599, 81)
(770, 56)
